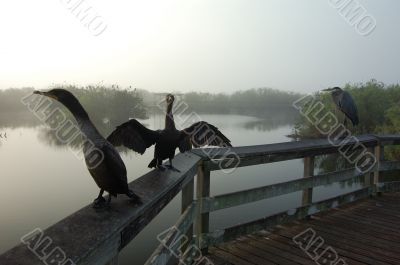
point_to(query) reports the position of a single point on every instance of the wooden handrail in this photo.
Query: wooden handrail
(269, 153)
(96, 237)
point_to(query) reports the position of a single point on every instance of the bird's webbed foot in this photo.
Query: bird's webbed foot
(161, 167)
(171, 167)
(99, 203)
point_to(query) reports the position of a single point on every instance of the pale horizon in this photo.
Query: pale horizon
(207, 46)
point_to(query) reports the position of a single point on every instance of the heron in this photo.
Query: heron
(345, 103)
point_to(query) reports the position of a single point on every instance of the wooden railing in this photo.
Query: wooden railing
(96, 237)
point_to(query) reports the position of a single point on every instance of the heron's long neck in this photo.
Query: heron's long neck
(169, 118)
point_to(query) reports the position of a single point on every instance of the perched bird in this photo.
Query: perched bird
(345, 104)
(110, 173)
(134, 135)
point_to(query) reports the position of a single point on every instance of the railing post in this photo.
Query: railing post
(187, 200)
(368, 177)
(308, 172)
(379, 155)
(203, 191)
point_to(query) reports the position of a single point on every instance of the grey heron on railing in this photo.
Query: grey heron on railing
(345, 104)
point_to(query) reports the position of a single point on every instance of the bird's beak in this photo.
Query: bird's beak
(327, 89)
(47, 94)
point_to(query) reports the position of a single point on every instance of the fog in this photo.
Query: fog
(210, 46)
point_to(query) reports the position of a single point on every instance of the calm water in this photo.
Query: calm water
(43, 182)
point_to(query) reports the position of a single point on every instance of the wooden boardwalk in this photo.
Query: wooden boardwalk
(363, 232)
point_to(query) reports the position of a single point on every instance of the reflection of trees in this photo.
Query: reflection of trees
(50, 137)
(18, 119)
(271, 121)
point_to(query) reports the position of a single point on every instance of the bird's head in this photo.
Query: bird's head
(61, 95)
(332, 89)
(170, 98)
(65, 97)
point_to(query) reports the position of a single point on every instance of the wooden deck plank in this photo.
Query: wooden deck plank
(279, 251)
(285, 240)
(342, 250)
(228, 257)
(359, 221)
(361, 228)
(245, 255)
(358, 245)
(364, 232)
(272, 257)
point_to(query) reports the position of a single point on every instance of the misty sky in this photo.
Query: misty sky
(202, 45)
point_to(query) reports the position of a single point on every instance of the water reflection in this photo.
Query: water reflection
(271, 122)
(52, 183)
(18, 120)
(50, 137)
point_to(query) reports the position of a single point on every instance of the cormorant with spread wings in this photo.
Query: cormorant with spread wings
(134, 135)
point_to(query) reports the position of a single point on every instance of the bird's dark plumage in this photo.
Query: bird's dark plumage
(345, 103)
(133, 135)
(202, 133)
(349, 108)
(137, 137)
(109, 171)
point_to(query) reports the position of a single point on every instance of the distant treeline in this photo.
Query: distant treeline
(117, 105)
(104, 105)
(258, 102)
(111, 106)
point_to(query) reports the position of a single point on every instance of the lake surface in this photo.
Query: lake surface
(43, 182)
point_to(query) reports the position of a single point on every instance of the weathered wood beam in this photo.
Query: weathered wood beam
(187, 200)
(203, 191)
(95, 237)
(261, 154)
(393, 186)
(387, 139)
(389, 165)
(308, 172)
(233, 199)
(220, 236)
(377, 154)
(172, 239)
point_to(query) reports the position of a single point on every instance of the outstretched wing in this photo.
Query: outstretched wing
(134, 135)
(200, 134)
(349, 108)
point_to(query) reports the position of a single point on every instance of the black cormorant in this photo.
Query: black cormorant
(137, 137)
(345, 103)
(109, 173)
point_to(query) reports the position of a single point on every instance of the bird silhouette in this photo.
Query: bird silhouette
(110, 173)
(345, 103)
(134, 135)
